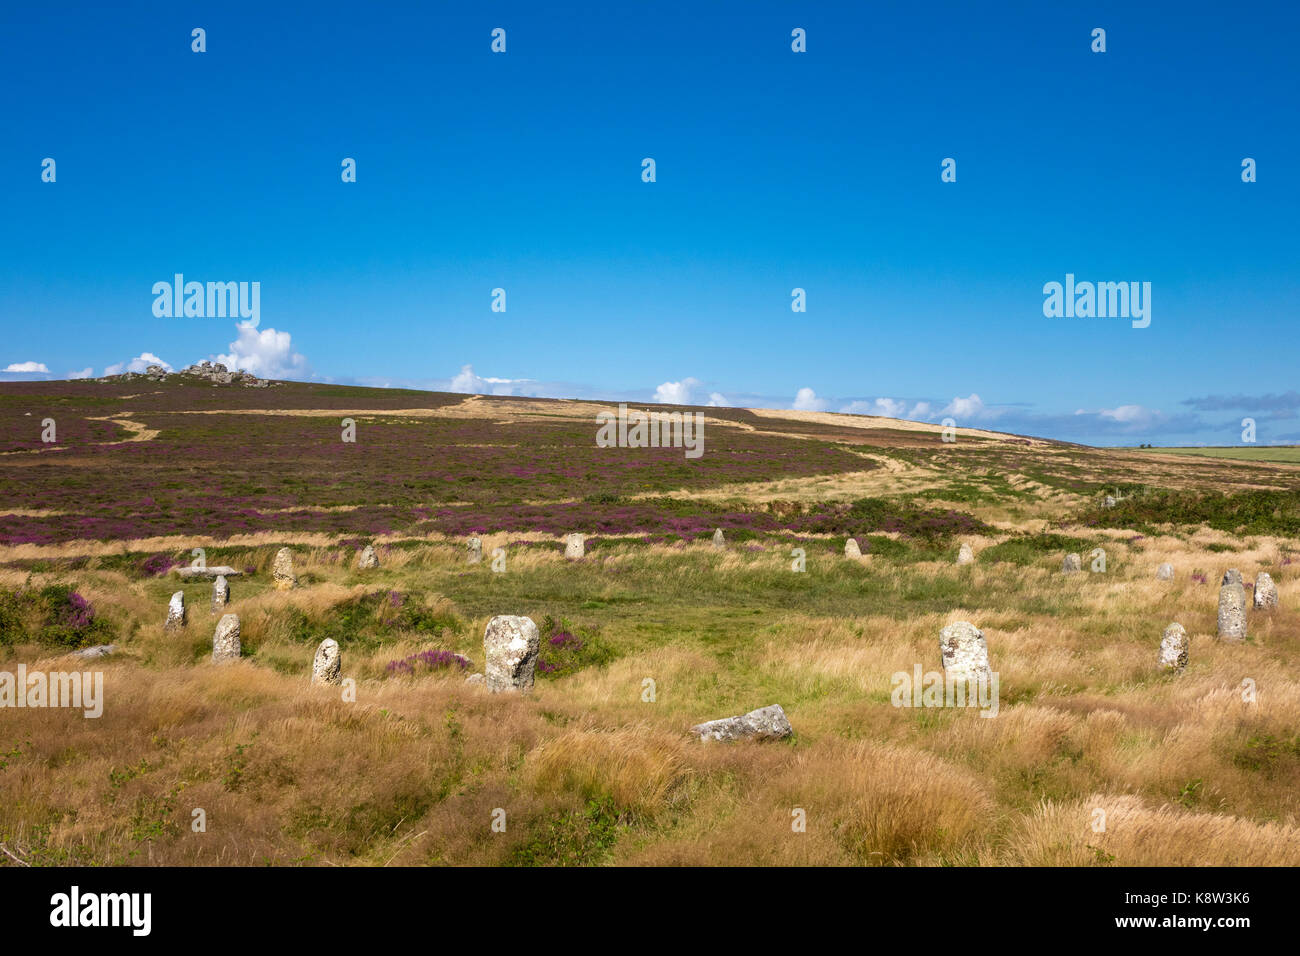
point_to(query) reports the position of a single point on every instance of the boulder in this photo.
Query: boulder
(766, 723)
(1165, 572)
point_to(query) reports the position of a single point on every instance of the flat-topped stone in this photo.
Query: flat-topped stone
(209, 574)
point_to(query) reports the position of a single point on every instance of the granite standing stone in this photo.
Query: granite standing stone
(282, 575)
(1232, 613)
(1265, 591)
(510, 646)
(175, 612)
(1173, 648)
(327, 666)
(964, 652)
(225, 641)
(575, 546)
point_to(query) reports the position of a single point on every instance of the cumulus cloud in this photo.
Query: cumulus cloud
(86, 372)
(718, 400)
(886, 407)
(265, 353)
(806, 400)
(28, 368)
(676, 393)
(970, 407)
(469, 383)
(137, 364)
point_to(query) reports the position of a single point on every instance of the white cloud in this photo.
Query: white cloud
(885, 407)
(806, 400)
(676, 393)
(137, 364)
(469, 383)
(28, 368)
(920, 411)
(718, 400)
(970, 407)
(86, 372)
(265, 353)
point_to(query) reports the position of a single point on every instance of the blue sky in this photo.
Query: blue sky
(775, 170)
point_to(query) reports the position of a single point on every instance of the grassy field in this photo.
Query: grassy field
(1286, 453)
(650, 633)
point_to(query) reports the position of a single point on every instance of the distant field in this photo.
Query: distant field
(1286, 453)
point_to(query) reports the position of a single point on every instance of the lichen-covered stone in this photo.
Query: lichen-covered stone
(225, 640)
(474, 550)
(965, 555)
(851, 549)
(510, 646)
(369, 559)
(1265, 591)
(1232, 613)
(575, 546)
(175, 612)
(1173, 648)
(327, 666)
(964, 652)
(282, 574)
(766, 723)
(1165, 572)
(1071, 564)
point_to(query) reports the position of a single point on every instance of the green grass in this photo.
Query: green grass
(1284, 453)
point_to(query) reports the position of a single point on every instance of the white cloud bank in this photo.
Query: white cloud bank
(137, 364)
(27, 368)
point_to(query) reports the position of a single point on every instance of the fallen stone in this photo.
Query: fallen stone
(1173, 648)
(474, 679)
(1265, 591)
(1165, 572)
(1232, 613)
(175, 612)
(225, 641)
(368, 559)
(1071, 564)
(208, 574)
(851, 549)
(766, 723)
(964, 652)
(327, 666)
(575, 546)
(282, 575)
(99, 650)
(510, 646)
